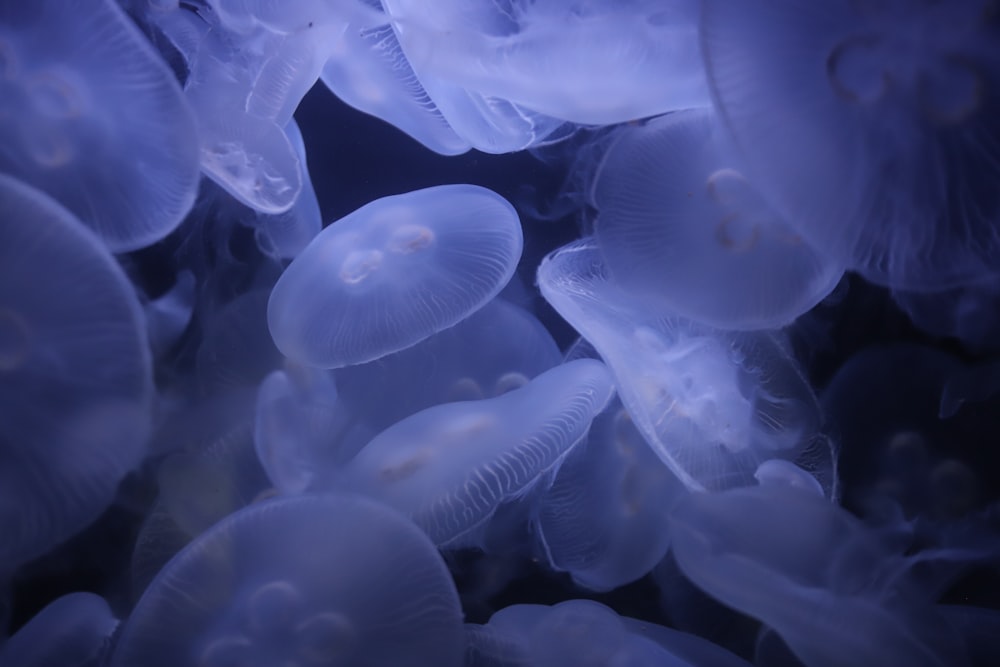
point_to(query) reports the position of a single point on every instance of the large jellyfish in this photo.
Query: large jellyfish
(90, 114)
(76, 385)
(680, 224)
(394, 272)
(325, 580)
(594, 63)
(871, 126)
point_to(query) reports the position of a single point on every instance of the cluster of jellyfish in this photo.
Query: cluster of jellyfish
(725, 392)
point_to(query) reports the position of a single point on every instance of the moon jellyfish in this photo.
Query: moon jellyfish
(713, 405)
(303, 430)
(71, 631)
(595, 63)
(76, 385)
(450, 466)
(488, 123)
(679, 224)
(826, 583)
(369, 71)
(91, 115)
(392, 273)
(324, 580)
(285, 235)
(603, 518)
(871, 126)
(451, 366)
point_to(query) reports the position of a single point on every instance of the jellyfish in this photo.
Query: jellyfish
(680, 224)
(392, 273)
(488, 123)
(451, 366)
(284, 235)
(604, 519)
(827, 584)
(71, 631)
(596, 63)
(450, 466)
(713, 405)
(76, 385)
(870, 126)
(318, 580)
(369, 72)
(85, 100)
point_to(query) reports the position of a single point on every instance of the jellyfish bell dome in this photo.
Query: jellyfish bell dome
(83, 84)
(871, 126)
(394, 272)
(76, 390)
(325, 580)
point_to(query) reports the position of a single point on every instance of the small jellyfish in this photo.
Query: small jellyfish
(324, 581)
(871, 127)
(85, 112)
(712, 404)
(393, 273)
(76, 387)
(603, 518)
(679, 223)
(450, 466)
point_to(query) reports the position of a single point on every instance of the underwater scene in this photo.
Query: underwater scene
(499, 333)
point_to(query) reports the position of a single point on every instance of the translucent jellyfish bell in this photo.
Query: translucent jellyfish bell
(76, 384)
(713, 405)
(450, 466)
(872, 126)
(71, 631)
(369, 71)
(603, 519)
(603, 63)
(85, 99)
(805, 567)
(394, 272)
(325, 580)
(679, 223)
(450, 366)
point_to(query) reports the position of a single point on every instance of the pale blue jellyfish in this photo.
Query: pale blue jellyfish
(871, 126)
(595, 63)
(329, 580)
(450, 466)
(76, 389)
(392, 273)
(680, 224)
(713, 405)
(90, 114)
(71, 631)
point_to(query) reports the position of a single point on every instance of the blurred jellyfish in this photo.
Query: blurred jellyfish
(392, 273)
(450, 466)
(604, 519)
(679, 224)
(85, 99)
(75, 374)
(309, 580)
(871, 126)
(828, 585)
(595, 63)
(713, 405)
(71, 631)
(497, 349)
